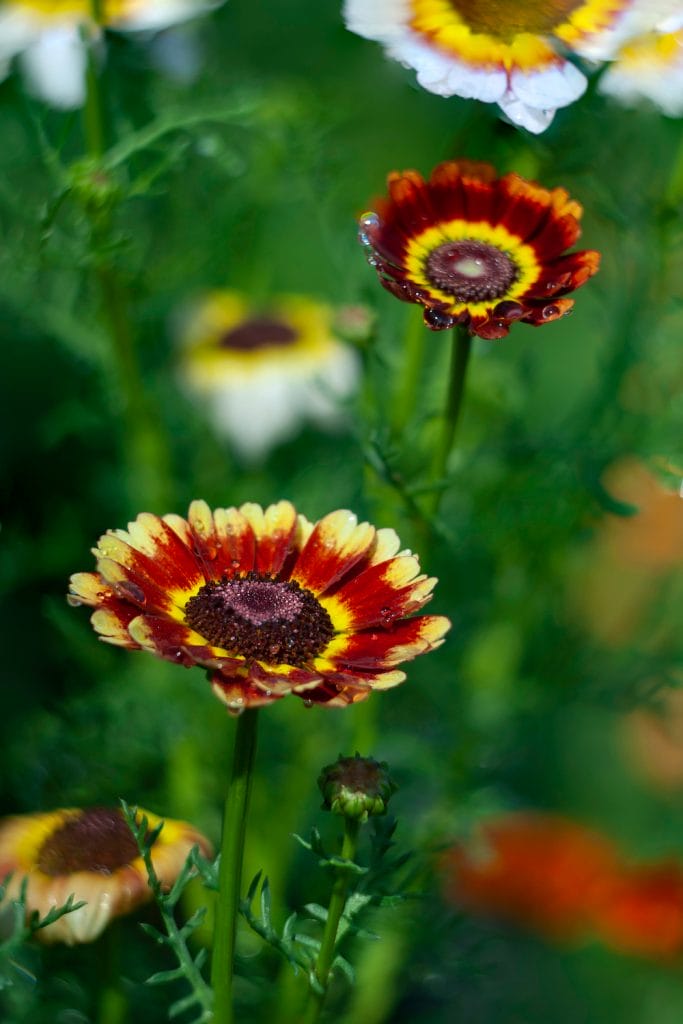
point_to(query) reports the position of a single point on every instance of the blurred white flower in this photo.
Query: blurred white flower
(262, 371)
(50, 37)
(649, 67)
(510, 53)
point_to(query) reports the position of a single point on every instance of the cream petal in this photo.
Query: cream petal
(548, 88)
(55, 65)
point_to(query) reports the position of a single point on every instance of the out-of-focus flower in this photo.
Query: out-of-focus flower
(477, 250)
(511, 53)
(649, 67)
(631, 557)
(267, 601)
(568, 882)
(262, 371)
(89, 854)
(50, 36)
(643, 914)
(356, 787)
(541, 870)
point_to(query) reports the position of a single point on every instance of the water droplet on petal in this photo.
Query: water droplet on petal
(308, 703)
(550, 311)
(437, 320)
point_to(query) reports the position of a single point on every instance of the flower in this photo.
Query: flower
(268, 602)
(356, 787)
(509, 52)
(648, 67)
(48, 35)
(261, 370)
(643, 914)
(90, 854)
(542, 870)
(477, 250)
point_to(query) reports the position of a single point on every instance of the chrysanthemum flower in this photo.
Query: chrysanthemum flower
(89, 854)
(48, 37)
(477, 250)
(510, 52)
(261, 371)
(649, 67)
(268, 602)
(542, 870)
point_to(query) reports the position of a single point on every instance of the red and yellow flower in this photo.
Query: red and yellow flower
(477, 250)
(267, 601)
(511, 52)
(91, 855)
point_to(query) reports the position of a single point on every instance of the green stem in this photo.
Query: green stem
(460, 355)
(413, 360)
(230, 875)
(146, 450)
(113, 1005)
(334, 913)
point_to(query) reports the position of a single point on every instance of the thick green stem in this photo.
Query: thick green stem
(230, 875)
(460, 355)
(334, 913)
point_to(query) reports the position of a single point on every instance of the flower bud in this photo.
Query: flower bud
(356, 787)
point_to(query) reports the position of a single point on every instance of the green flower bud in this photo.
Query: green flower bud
(356, 787)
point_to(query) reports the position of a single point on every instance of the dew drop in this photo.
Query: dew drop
(437, 320)
(373, 260)
(178, 655)
(268, 693)
(549, 311)
(368, 220)
(235, 563)
(308, 703)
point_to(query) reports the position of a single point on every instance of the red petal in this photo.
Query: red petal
(377, 649)
(337, 544)
(385, 592)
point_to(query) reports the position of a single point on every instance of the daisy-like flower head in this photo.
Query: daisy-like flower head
(649, 67)
(48, 37)
(477, 250)
(261, 371)
(508, 52)
(542, 870)
(90, 854)
(267, 601)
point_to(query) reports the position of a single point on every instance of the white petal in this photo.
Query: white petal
(548, 88)
(531, 118)
(157, 14)
(660, 83)
(381, 20)
(445, 75)
(17, 31)
(55, 65)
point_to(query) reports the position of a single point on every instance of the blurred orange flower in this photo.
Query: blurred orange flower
(567, 882)
(537, 869)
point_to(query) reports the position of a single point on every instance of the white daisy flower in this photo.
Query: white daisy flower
(649, 67)
(510, 52)
(50, 37)
(261, 372)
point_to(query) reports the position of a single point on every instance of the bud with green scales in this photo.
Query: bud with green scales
(356, 787)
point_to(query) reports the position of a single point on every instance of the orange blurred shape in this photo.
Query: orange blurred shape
(654, 740)
(625, 567)
(643, 913)
(653, 536)
(541, 870)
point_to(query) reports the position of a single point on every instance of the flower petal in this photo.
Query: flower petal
(338, 542)
(377, 649)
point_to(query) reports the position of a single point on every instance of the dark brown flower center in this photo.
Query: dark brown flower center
(260, 618)
(259, 332)
(95, 839)
(507, 18)
(471, 271)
